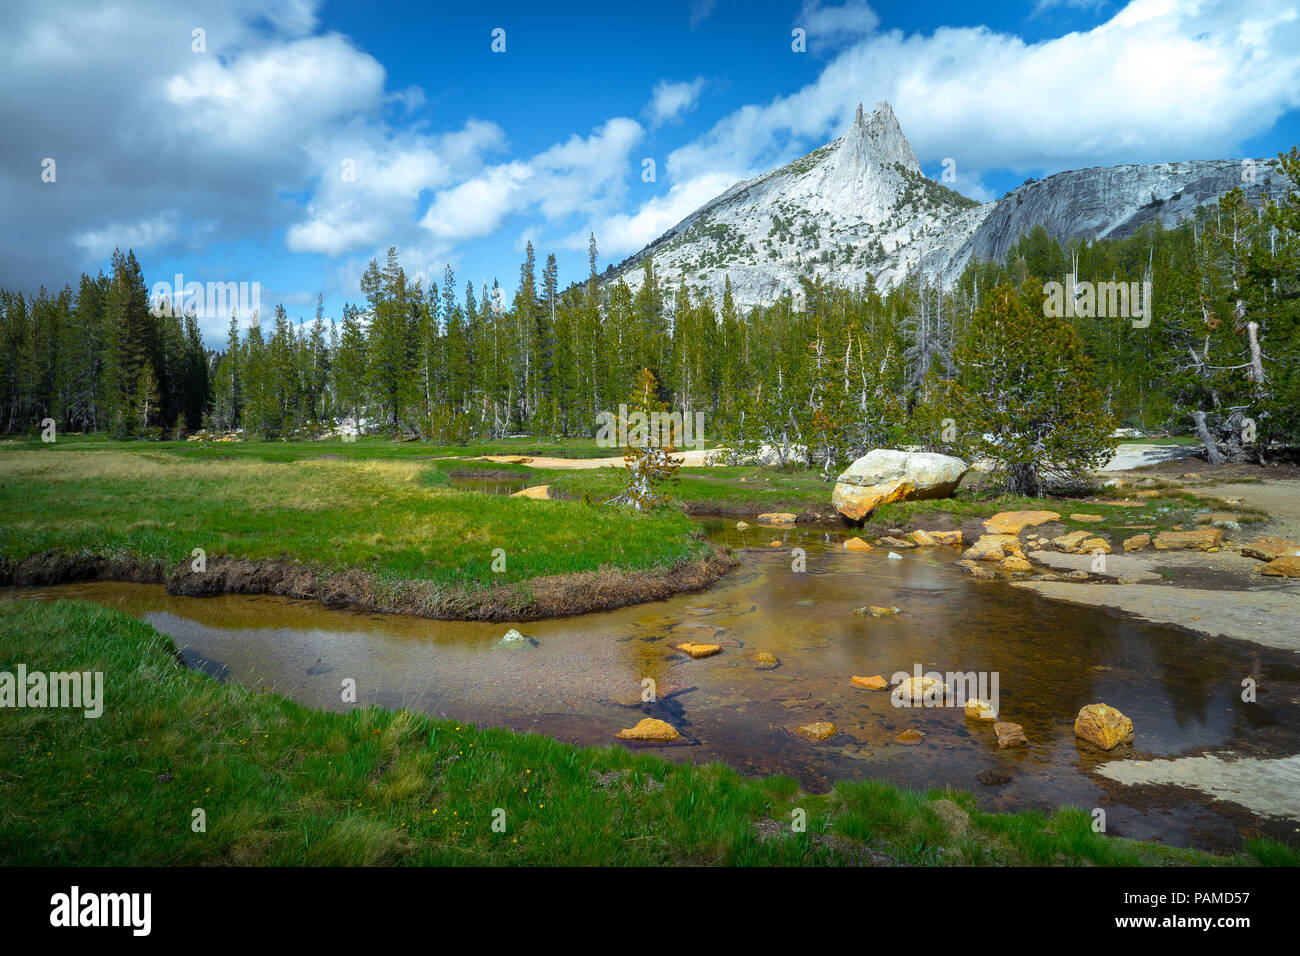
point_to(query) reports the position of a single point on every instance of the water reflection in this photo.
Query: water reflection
(583, 680)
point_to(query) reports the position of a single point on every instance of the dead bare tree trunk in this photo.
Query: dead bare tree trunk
(1256, 358)
(1203, 432)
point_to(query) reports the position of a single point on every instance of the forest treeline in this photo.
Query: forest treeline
(820, 377)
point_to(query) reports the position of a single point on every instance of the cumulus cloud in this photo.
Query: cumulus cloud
(670, 100)
(837, 24)
(623, 233)
(579, 175)
(1163, 81)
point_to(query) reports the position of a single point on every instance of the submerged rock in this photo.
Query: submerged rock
(877, 682)
(765, 660)
(818, 730)
(699, 650)
(650, 728)
(514, 639)
(1010, 735)
(1103, 726)
(885, 475)
(910, 737)
(876, 611)
(917, 691)
(980, 710)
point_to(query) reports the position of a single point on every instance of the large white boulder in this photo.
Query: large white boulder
(886, 475)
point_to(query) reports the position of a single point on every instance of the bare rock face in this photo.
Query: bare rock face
(884, 475)
(861, 206)
(1103, 726)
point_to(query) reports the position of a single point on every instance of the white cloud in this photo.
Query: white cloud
(146, 233)
(1158, 81)
(837, 24)
(627, 232)
(580, 175)
(670, 100)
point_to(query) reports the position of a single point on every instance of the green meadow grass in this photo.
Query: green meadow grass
(281, 784)
(392, 517)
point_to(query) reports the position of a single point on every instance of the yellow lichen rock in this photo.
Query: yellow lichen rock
(650, 729)
(855, 503)
(1014, 565)
(539, 492)
(699, 650)
(994, 547)
(924, 539)
(1203, 539)
(946, 538)
(1268, 548)
(857, 544)
(980, 710)
(1137, 542)
(1071, 541)
(1103, 726)
(1013, 522)
(871, 683)
(819, 730)
(1287, 566)
(778, 517)
(1010, 735)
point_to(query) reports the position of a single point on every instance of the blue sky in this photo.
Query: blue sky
(230, 162)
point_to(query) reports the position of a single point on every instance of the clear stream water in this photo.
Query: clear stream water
(582, 680)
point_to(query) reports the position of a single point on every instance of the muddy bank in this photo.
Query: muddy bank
(544, 597)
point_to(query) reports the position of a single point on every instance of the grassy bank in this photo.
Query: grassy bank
(376, 531)
(283, 784)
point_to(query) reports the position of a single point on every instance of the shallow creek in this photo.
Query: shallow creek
(582, 681)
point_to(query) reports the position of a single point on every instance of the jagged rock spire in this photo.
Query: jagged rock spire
(878, 139)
